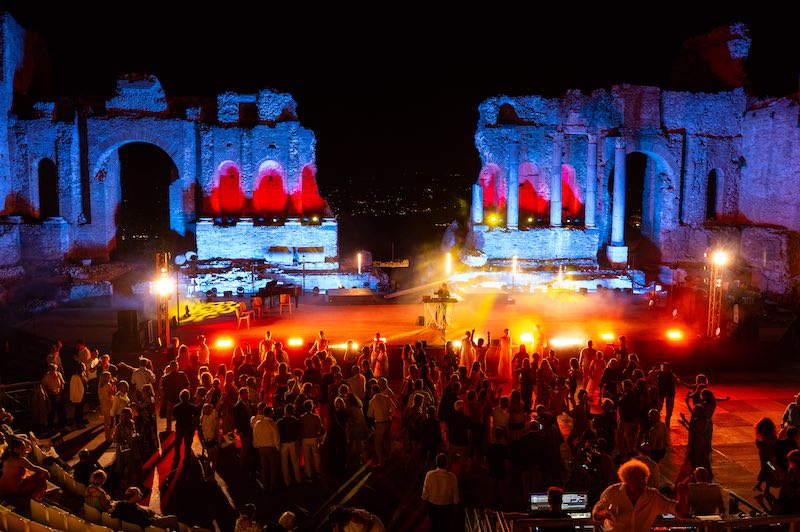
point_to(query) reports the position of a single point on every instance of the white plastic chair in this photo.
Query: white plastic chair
(284, 300)
(57, 519)
(92, 514)
(242, 317)
(76, 524)
(75, 487)
(33, 526)
(111, 522)
(16, 523)
(39, 512)
(131, 527)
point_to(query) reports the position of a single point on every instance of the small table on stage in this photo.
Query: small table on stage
(438, 312)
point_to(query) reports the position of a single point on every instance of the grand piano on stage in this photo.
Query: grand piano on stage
(273, 291)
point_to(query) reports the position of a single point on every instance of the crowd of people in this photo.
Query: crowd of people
(451, 415)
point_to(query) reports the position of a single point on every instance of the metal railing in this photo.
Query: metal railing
(478, 520)
(15, 397)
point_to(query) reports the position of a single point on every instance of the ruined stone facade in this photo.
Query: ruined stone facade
(243, 176)
(719, 169)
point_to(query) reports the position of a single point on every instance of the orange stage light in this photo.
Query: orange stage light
(294, 342)
(456, 344)
(607, 337)
(526, 338)
(674, 335)
(224, 342)
(565, 342)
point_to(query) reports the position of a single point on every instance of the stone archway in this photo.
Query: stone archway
(571, 197)
(495, 189)
(651, 201)
(270, 196)
(48, 189)
(146, 174)
(96, 232)
(534, 194)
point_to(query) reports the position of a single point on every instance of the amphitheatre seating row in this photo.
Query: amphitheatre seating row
(48, 517)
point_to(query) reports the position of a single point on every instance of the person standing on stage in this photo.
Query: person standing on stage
(539, 341)
(587, 356)
(504, 362)
(466, 355)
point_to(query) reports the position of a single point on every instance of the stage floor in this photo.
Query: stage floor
(569, 317)
(560, 315)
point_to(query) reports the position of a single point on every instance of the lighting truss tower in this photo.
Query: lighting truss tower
(163, 292)
(717, 262)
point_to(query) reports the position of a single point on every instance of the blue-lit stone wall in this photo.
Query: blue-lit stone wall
(250, 132)
(244, 240)
(539, 244)
(751, 147)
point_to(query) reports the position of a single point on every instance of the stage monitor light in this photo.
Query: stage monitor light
(165, 286)
(530, 220)
(720, 258)
(315, 219)
(492, 219)
(294, 342)
(607, 337)
(526, 338)
(674, 335)
(565, 342)
(224, 342)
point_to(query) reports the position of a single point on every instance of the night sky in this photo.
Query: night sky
(392, 92)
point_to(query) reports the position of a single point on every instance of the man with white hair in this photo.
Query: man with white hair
(632, 506)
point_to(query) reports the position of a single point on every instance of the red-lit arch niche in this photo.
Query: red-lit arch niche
(534, 194)
(270, 196)
(313, 204)
(227, 198)
(571, 195)
(494, 188)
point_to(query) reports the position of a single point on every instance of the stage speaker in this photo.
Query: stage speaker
(123, 341)
(127, 321)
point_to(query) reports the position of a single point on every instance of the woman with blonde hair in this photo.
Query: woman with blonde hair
(95, 495)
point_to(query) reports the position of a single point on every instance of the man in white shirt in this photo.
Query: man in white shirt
(267, 441)
(357, 383)
(632, 506)
(142, 375)
(203, 351)
(587, 356)
(440, 493)
(381, 407)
